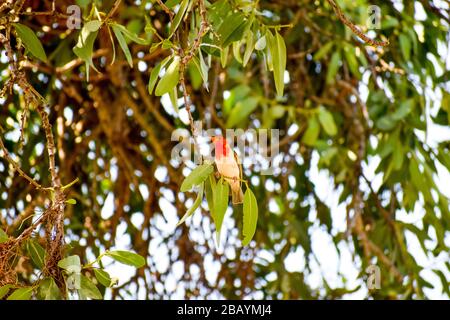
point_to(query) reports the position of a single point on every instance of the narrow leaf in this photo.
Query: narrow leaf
(231, 29)
(30, 41)
(21, 294)
(278, 52)
(103, 277)
(333, 67)
(173, 95)
(221, 193)
(85, 45)
(250, 209)
(327, 121)
(71, 264)
(3, 236)
(123, 44)
(250, 44)
(178, 17)
(237, 51)
(270, 41)
(127, 257)
(224, 57)
(241, 111)
(261, 43)
(203, 69)
(169, 79)
(4, 290)
(210, 184)
(37, 253)
(48, 290)
(155, 73)
(89, 289)
(323, 50)
(195, 205)
(130, 35)
(312, 133)
(71, 201)
(197, 176)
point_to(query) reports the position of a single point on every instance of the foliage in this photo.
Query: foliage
(87, 117)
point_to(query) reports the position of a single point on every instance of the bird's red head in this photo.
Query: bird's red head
(220, 145)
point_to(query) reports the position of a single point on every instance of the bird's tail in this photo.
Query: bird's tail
(237, 196)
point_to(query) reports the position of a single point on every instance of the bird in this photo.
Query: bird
(228, 166)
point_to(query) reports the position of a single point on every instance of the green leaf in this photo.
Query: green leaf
(173, 95)
(169, 79)
(172, 3)
(404, 109)
(167, 44)
(333, 67)
(270, 40)
(103, 277)
(224, 56)
(197, 176)
(312, 133)
(231, 29)
(204, 69)
(4, 290)
(277, 49)
(123, 44)
(71, 264)
(241, 111)
(237, 51)
(93, 25)
(415, 175)
(71, 201)
(221, 193)
(350, 56)
(178, 17)
(130, 35)
(444, 281)
(21, 294)
(250, 44)
(327, 121)
(3, 236)
(89, 289)
(37, 253)
(250, 216)
(195, 74)
(261, 43)
(127, 257)
(85, 45)
(210, 184)
(398, 155)
(154, 74)
(195, 205)
(30, 41)
(405, 46)
(322, 52)
(48, 290)
(277, 111)
(386, 123)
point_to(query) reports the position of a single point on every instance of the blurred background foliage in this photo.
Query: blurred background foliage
(364, 146)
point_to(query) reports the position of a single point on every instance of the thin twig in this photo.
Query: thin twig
(16, 166)
(354, 28)
(166, 9)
